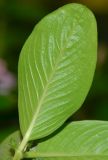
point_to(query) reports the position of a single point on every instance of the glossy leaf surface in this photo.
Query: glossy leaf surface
(56, 69)
(82, 140)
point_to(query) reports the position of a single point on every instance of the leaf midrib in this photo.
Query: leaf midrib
(29, 130)
(42, 98)
(51, 155)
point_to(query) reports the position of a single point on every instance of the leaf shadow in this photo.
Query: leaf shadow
(36, 142)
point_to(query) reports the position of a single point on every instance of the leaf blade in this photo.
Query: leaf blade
(78, 141)
(9, 145)
(49, 73)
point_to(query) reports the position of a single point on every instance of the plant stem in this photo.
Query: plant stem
(19, 152)
(18, 155)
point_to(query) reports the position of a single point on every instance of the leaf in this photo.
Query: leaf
(4, 132)
(56, 68)
(8, 146)
(82, 140)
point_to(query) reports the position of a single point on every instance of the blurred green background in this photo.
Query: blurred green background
(17, 19)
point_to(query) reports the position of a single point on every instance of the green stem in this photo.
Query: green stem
(18, 155)
(19, 152)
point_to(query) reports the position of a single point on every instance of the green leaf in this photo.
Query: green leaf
(56, 68)
(7, 130)
(9, 145)
(82, 140)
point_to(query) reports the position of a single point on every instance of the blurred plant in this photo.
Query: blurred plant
(7, 79)
(99, 6)
(7, 87)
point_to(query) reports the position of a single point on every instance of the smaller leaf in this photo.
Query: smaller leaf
(9, 145)
(83, 140)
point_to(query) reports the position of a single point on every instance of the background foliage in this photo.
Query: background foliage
(17, 19)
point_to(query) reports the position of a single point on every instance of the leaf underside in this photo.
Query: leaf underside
(82, 140)
(56, 68)
(9, 145)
